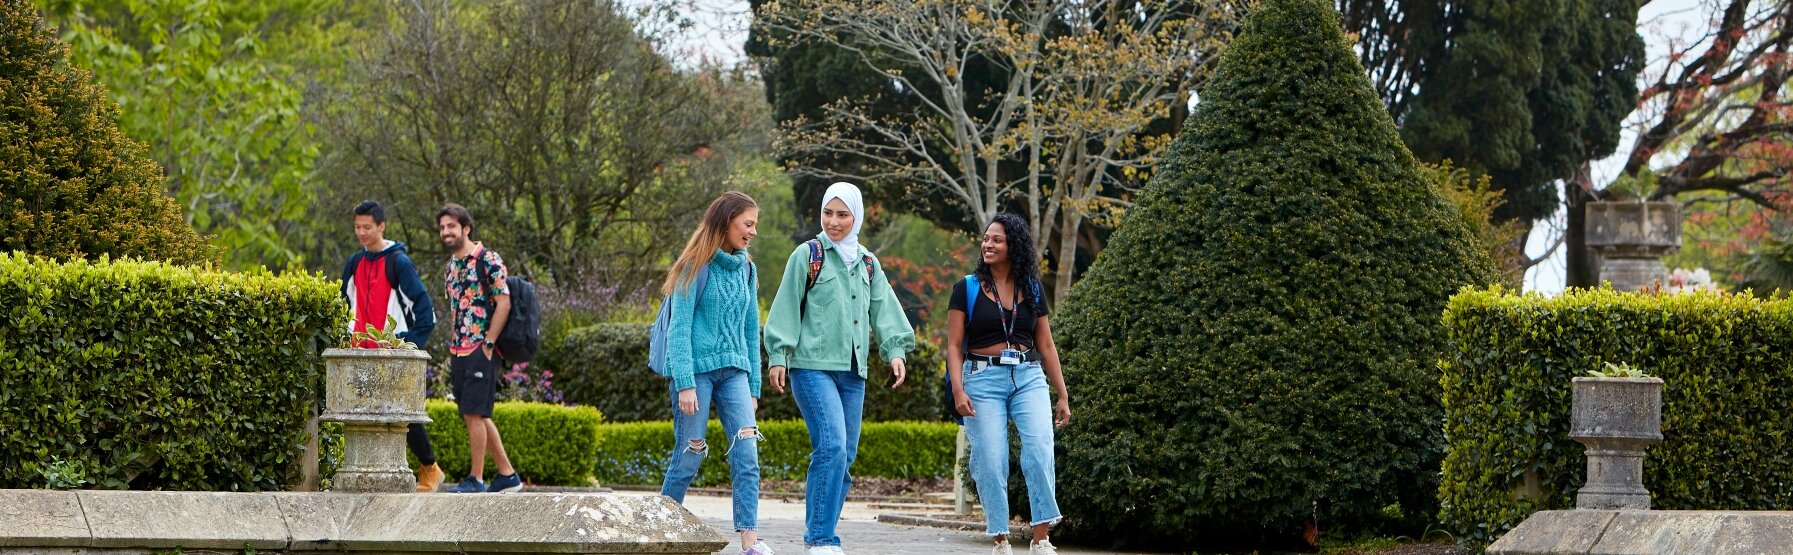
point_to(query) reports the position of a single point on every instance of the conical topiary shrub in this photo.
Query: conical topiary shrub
(1256, 346)
(72, 184)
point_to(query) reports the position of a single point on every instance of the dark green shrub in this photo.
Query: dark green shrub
(550, 445)
(1257, 344)
(1726, 424)
(636, 452)
(159, 377)
(605, 366)
(71, 184)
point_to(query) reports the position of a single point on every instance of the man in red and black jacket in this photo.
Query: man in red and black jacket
(382, 285)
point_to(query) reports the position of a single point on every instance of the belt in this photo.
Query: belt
(979, 362)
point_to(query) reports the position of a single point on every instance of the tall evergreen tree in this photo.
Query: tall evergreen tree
(1256, 346)
(72, 184)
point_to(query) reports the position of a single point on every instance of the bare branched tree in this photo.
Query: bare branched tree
(1068, 130)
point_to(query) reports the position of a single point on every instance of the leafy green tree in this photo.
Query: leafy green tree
(215, 89)
(71, 184)
(1524, 92)
(583, 153)
(1256, 346)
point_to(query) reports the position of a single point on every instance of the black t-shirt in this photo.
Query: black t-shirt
(985, 328)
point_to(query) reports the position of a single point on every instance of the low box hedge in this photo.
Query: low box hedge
(143, 375)
(605, 366)
(1727, 368)
(550, 445)
(637, 452)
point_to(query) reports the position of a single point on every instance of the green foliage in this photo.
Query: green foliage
(159, 377)
(71, 184)
(67, 474)
(378, 338)
(1619, 370)
(576, 144)
(1724, 361)
(605, 366)
(214, 88)
(549, 444)
(1523, 91)
(1477, 202)
(1256, 345)
(636, 452)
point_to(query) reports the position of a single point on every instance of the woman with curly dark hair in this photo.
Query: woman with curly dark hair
(1000, 358)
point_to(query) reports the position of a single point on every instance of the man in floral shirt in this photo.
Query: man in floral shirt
(480, 302)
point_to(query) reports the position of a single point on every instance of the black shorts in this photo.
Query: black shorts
(475, 383)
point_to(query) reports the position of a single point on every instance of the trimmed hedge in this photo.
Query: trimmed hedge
(605, 366)
(636, 452)
(1727, 368)
(1257, 344)
(551, 445)
(152, 376)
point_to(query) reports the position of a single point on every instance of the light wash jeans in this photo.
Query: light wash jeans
(832, 404)
(727, 388)
(1000, 394)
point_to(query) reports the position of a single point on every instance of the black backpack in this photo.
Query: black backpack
(522, 335)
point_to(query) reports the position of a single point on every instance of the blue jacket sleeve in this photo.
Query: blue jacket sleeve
(348, 273)
(422, 315)
(679, 358)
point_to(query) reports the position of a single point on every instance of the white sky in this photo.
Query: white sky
(719, 29)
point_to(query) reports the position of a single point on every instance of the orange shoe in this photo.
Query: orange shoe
(429, 477)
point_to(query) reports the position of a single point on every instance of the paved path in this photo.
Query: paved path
(781, 526)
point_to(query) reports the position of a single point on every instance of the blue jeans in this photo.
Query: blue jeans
(1000, 394)
(832, 404)
(727, 389)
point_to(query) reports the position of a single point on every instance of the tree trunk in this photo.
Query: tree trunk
(1064, 251)
(1578, 269)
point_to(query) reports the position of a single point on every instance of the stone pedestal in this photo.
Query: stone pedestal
(376, 394)
(1616, 418)
(1630, 238)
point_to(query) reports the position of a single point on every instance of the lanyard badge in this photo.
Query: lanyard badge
(1009, 356)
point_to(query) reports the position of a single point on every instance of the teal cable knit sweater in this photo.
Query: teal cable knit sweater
(720, 331)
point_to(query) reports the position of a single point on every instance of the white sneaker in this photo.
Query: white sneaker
(1003, 549)
(824, 550)
(1042, 547)
(759, 548)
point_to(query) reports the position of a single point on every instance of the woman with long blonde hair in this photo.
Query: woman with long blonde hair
(712, 356)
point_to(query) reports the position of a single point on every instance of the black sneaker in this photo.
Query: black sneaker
(469, 485)
(506, 484)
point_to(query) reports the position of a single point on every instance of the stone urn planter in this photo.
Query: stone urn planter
(376, 394)
(1616, 418)
(1630, 238)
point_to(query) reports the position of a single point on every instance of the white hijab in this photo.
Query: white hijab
(849, 195)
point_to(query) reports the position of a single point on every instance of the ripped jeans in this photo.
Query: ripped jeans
(727, 389)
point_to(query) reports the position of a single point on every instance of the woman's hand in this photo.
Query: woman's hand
(1062, 413)
(776, 374)
(688, 401)
(896, 368)
(962, 403)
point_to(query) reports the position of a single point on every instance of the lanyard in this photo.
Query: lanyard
(1007, 315)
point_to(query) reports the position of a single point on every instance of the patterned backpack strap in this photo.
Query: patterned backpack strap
(815, 263)
(866, 257)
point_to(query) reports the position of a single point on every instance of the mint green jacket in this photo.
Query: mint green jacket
(844, 308)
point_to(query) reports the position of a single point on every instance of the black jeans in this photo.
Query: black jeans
(419, 440)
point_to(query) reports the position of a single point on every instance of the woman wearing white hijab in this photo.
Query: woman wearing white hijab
(833, 296)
